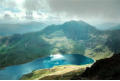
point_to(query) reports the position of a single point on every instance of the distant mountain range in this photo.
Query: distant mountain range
(108, 26)
(69, 38)
(117, 27)
(20, 28)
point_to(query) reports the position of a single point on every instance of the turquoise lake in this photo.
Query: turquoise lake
(17, 71)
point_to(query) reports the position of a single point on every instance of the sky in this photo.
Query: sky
(92, 11)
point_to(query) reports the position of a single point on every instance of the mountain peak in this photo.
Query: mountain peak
(73, 21)
(80, 23)
(77, 24)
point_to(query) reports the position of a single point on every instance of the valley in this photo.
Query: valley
(73, 37)
(69, 38)
(59, 39)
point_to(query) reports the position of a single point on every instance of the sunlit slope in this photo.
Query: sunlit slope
(68, 38)
(56, 73)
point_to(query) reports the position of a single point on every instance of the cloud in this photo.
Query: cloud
(35, 5)
(108, 10)
(61, 10)
(22, 10)
(7, 4)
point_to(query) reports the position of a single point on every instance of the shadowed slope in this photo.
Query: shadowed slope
(105, 69)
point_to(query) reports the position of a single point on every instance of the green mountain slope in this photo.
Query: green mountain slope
(69, 38)
(113, 41)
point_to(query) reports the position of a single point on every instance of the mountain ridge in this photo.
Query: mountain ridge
(70, 38)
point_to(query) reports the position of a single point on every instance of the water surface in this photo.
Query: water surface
(17, 71)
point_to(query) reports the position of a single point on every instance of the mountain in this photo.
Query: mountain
(73, 37)
(105, 69)
(20, 28)
(113, 41)
(106, 26)
(73, 30)
(117, 27)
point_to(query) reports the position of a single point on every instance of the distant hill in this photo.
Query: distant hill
(106, 26)
(20, 28)
(115, 27)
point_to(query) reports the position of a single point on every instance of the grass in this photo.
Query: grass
(56, 73)
(104, 53)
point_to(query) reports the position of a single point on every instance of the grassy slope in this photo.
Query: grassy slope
(51, 41)
(68, 38)
(56, 73)
(23, 50)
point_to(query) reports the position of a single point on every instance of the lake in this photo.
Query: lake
(17, 71)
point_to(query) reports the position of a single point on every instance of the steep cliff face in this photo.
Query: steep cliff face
(105, 69)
